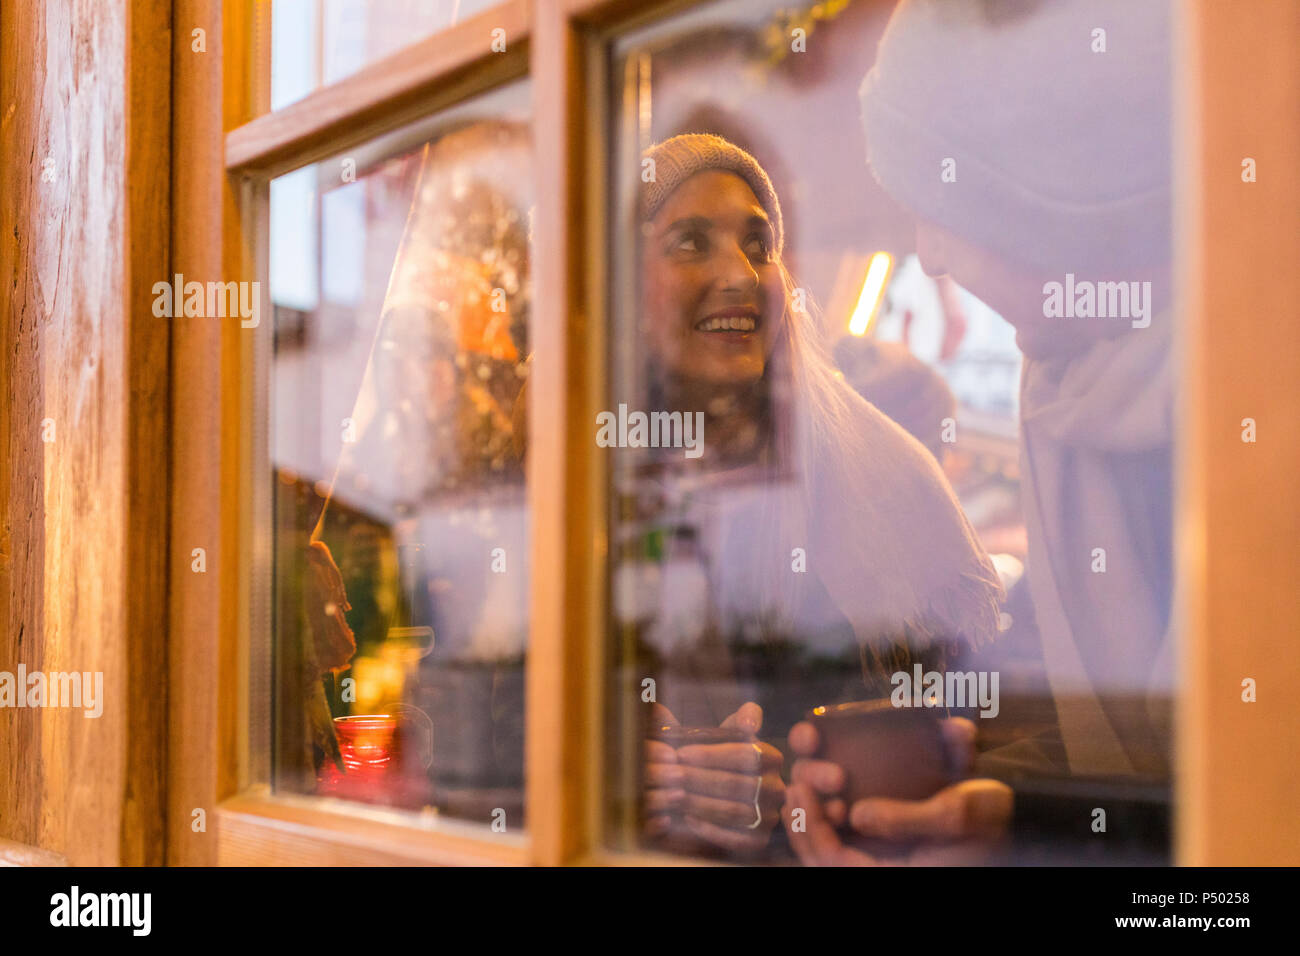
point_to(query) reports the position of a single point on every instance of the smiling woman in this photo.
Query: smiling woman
(714, 567)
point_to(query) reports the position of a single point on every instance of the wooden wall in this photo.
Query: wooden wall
(84, 192)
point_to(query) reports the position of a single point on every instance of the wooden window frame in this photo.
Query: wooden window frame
(557, 44)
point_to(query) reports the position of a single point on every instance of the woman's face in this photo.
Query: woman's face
(711, 281)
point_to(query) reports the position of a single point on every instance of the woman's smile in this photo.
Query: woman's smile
(733, 324)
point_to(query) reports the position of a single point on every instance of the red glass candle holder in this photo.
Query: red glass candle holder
(365, 743)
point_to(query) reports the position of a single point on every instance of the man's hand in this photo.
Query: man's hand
(725, 795)
(961, 823)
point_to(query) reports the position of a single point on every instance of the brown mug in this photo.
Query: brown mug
(885, 751)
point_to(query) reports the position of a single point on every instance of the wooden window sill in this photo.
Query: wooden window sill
(258, 829)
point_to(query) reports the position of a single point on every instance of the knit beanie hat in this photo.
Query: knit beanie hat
(679, 158)
(1053, 116)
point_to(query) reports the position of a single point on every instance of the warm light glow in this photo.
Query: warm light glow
(873, 290)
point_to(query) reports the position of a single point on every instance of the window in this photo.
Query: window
(820, 525)
(318, 42)
(904, 479)
(400, 283)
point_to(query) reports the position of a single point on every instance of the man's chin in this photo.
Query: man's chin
(1050, 341)
(1033, 343)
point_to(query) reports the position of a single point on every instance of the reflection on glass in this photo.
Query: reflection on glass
(401, 537)
(912, 546)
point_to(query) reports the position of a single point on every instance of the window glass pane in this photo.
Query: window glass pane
(316, 42)
(889, 426)
(399, 275)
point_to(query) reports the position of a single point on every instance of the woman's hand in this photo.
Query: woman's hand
(725, 795)
(961, 824)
